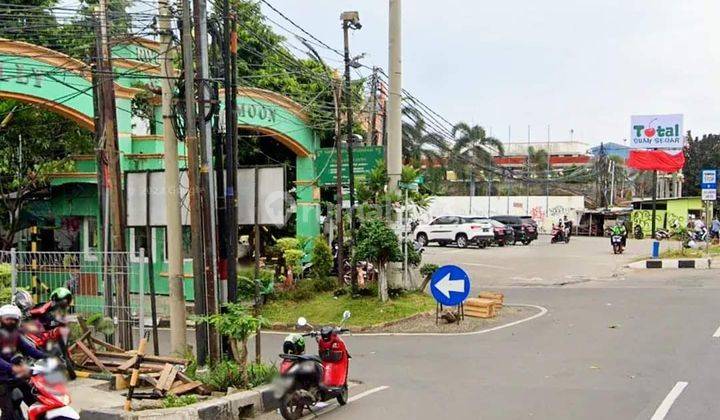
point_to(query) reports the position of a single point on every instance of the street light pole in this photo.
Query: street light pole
(394, 104)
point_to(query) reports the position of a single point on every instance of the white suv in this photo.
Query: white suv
(463, 230)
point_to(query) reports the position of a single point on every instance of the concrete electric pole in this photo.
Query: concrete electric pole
(394, 105)
(178, 337)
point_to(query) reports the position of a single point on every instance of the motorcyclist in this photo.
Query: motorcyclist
(13, 374)
(619, 229)
(50, 312)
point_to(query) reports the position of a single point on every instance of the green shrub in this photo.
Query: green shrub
(179, 401)
(5, 283)
(261, 374)
(427, 269)
(284, 244)
(293, 259)
(322, 258)
(226, 374)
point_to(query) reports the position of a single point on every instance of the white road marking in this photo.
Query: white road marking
(664, 408)
(368, 392)
(499, 267)
(717, 333)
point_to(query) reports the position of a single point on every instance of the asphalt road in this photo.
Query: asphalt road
(614, 344)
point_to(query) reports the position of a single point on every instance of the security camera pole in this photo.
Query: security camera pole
(350, 20)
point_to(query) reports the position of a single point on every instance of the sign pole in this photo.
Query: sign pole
(405, 240)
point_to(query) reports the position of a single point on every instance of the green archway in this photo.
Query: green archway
(62, 84)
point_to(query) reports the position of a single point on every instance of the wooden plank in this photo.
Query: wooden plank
(167, 377)
(90, 355)
(128, 364)
(148, 358)
(82, 337)
(120, 382)
(150, 379)
(106, 345)
(184, 388)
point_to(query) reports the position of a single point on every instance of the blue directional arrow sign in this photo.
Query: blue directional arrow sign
(450, 285)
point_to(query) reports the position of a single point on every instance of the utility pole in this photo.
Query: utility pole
(231, 225)
(178, 327)
(191, 144)
(394, 105)
(371, 138)
(612, 182)
(113, 178)
(338, 186)
(207, 175)
(350, 20)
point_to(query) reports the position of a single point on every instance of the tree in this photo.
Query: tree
(235, 323)
(47, 142)
(418, 144)
(472, 149)
(377, 243)
(700, 153)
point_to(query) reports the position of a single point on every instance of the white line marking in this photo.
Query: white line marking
(499, 267)
(368, 392)
(664, 408)
(542, 312)
(717, 333)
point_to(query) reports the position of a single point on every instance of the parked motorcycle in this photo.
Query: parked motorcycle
(661, 234)
(559, 234)
(638, 232)
(617, 244)
(306, 380)
(48, 384)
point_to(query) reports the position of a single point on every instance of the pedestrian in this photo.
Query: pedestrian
(13, 374)
(715, 230)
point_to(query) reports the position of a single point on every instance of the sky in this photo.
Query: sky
(578, 65)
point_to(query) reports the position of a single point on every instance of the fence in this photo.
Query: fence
(109, 283)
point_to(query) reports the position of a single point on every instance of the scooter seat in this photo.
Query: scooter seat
(302, 357)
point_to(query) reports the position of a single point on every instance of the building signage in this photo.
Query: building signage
(657, 131)
(365, 159)
(20, 74)
(708, 184)
(257, 112)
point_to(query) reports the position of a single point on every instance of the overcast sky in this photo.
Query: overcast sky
(573, 64)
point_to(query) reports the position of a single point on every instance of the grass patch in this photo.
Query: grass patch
(690, 252)
(326, 309)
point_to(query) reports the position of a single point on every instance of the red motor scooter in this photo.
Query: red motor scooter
(306, 380)
(53, 400)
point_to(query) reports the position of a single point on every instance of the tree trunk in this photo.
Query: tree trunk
(382, 282)
(240, 355)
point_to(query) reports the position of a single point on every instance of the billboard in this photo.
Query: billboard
(657, 131)
(365, 159)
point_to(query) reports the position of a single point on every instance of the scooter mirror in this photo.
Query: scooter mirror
(301, 322)
(346, 315)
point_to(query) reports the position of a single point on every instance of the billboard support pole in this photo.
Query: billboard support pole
(654, 201)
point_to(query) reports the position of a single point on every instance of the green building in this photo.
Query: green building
(68, 214)
(669, 212)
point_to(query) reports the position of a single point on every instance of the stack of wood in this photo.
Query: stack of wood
(486, 305)
(164, 374)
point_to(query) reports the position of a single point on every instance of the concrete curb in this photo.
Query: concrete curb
(241, 405)
(693, 263)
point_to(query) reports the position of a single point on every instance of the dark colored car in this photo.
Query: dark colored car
(525, 227)
(503, 234)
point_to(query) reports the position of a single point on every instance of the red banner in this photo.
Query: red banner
(656, 160)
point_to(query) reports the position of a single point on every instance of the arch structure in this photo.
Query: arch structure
(62, 84)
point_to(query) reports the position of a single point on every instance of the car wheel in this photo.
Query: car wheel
(501, 243)
(422, 239)
(461, 240)
(481, 244)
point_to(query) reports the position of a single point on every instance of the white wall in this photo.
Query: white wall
(535, 206)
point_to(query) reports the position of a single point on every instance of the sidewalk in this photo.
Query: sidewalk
(92, 393)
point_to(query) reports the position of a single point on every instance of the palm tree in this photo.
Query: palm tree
(418, 143)
(538, 162)
(473, 148)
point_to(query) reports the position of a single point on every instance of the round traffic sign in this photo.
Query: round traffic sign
(450, 285)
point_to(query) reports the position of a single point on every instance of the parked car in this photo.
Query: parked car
(503, 234)
(463, 230)
(525, 227)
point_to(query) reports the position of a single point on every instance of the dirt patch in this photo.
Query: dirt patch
(425, 323)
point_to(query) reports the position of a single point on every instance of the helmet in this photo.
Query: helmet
(294, 344)
(10, 311)
(61, 293)
(23, 300)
